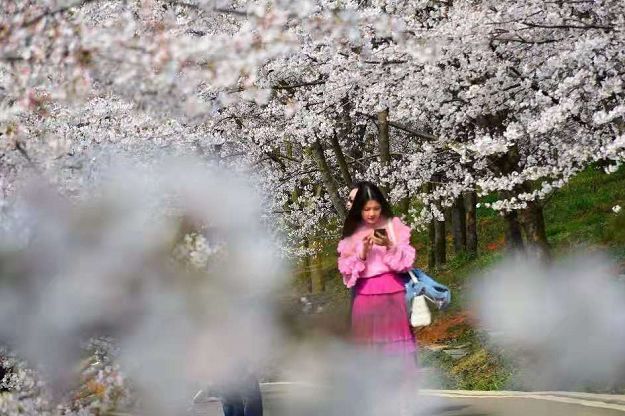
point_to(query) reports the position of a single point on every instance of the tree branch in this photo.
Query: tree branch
(402, 127)
(295, 174)
(278, 158)
(214, 9)
(344, 127)
(389, 62)
(328, 180)
(293, 86)
(25, 154)
(520, 39)
(60, 10)
(583, 27)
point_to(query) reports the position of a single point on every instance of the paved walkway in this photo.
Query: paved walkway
(281, 399)
(513, 403)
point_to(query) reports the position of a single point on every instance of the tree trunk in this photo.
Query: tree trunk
(427, 188)
(340, 159)
(384, 144)
(533, 223)
(440, 243)
(318, 282)
(307, 268)
(459, 225)
(344, 128)
(404, 204)
(328, 180)
(432, 246)
(514, 238)
(470, 199)
(356, 150)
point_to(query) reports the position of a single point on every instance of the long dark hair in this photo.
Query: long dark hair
(367, 191)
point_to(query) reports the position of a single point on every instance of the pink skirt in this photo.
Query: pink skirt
(380, 320)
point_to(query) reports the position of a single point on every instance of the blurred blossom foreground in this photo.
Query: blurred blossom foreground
(173, 264)
(564, 322)
(162, 280)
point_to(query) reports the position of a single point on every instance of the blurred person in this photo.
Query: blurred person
(239, 391)
(351, 197)
(239, 394)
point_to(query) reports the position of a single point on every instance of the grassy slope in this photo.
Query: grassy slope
(580, 214)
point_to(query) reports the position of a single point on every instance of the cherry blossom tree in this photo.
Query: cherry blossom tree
(433, 100)
(513, 101)
(527, 96)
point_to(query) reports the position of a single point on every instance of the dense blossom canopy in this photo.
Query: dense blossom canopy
(513, 100)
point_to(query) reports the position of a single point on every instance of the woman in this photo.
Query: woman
(370, 263)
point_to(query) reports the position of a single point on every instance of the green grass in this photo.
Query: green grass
(581, 212)
(578, 215)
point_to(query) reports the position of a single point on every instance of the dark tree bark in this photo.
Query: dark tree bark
(432, 248)
(328, 180)
(440, 243)
(459, 225)
(356, 150)
(340, 159)
(344, 127)
(533, 223)
(404, 204)
(428, 187)
(318, 282)
(307, 268)
(470, 199)
(514, 237)
(438, 237)
(384, 143)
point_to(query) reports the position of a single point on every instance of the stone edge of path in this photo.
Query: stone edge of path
(606, 401)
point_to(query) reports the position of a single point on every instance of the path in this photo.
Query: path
(280, 399)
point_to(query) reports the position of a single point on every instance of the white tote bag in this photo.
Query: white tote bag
(420, 314)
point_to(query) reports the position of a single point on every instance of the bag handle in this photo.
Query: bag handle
(391, 234)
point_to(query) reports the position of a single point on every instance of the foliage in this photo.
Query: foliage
(509, 101)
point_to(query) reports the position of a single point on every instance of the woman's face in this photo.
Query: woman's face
(371, 212)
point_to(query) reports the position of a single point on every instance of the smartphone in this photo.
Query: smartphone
(380, 232)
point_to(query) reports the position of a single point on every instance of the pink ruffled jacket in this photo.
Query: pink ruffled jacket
(380, 260)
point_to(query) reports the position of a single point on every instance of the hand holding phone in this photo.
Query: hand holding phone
(379, 237)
